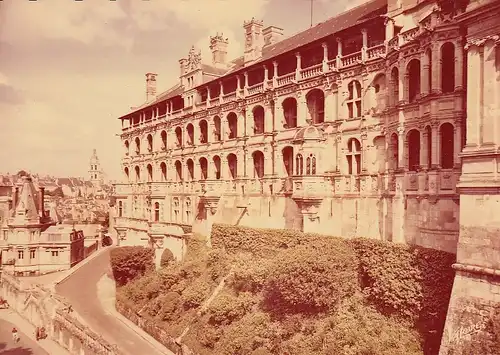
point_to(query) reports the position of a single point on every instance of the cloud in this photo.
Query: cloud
(86, 21)
(9, 95)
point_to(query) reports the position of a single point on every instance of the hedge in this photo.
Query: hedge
(129, 262)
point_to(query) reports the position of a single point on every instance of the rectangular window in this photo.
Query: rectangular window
(55, 253)
(20, 254)
(32, 254)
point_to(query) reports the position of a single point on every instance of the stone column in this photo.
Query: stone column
(224, 167)
(458, 143)
(208, 97)
(299, 66)
(402, 81)
(365, 44)
(423, 148)
(424, 74)
(268, 161)
(330, 105)
(221, 94)
(275, 74)
(401, 147)
(436, 69)
(364, 151)
(325, 57)
(279, 115)
(338, 149)
(245, 88)
(339, 53)
(436, 139)
(266, 76)
(301, 109)
(459, 65)
(489, 94)
(473, 97)
(241, 123)
(389, 28)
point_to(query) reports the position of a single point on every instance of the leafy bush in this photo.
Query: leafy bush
(227, 308)
(305, 281)
(410, 281)
(166, 257)
(127, 263)
(249, 273)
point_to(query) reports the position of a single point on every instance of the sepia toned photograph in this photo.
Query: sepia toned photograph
(249, 177)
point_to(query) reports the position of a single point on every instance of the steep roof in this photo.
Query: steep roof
(350, 18)
(26, 210)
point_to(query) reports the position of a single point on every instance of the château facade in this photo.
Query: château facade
(353, 127)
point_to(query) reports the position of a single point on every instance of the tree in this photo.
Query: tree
(128, 263)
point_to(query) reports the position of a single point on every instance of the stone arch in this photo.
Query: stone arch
(258, 114)
(315, 100)
(232, 125)
(258, 163)
(447, 51)
(289, 106)
(413, 72)
(413, 144)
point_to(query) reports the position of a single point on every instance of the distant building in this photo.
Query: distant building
(30, 241)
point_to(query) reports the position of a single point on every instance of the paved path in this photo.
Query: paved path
(82, 293)
(25, 346)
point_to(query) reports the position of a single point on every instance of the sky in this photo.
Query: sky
(69, 69)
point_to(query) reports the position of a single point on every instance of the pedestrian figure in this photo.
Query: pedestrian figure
(37, 333)
(15, 335)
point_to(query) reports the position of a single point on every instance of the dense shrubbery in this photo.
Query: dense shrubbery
(127, 263)
(293, 293)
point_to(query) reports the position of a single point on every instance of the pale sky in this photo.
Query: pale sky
(69, 69)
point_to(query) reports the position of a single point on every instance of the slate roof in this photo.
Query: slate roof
(350, 18)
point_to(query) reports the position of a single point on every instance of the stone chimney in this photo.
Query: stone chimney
(150, 86)
(15, 197)
(218, 46)
(183, 66)
(41, 201)
(254, 40)
(272, 34)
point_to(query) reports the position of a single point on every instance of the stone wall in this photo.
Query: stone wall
(42, 308)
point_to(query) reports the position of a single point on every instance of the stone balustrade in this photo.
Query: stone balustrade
(42, 308)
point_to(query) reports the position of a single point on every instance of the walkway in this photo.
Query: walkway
(81, 291)
(25, 346)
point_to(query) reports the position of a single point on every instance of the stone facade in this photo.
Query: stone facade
(31, 243)
(351, 128)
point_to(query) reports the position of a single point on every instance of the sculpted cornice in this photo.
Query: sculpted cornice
(479, 42)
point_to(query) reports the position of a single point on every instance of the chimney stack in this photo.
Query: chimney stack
(253, 40)
(15, 197)
(218, 46)
(150, 86)
(41, 201)
(272, 34)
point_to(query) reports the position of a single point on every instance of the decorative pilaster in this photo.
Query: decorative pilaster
(299, 66)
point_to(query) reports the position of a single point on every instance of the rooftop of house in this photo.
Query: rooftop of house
(369, 10)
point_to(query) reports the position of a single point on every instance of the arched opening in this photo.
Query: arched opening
(258, 164)
(287, 154)
(178, 136)
(315, 100)
(163, 168)
(232, 162)
(203, 131)
(311, 165)
(157, 212)
(203, 168)
(258, 119)
(178, 170)
(127, 148)
(354, 99)
(428, 131)
(217, 129)
(448, 67)
(394, 86)
(127, 174)
(150, 143)
(120, 208)
(190, 168)
(413, 139)
(150, 172)
(163, 140)
(394, 148)
(190, 133)
(137, 174)
(413, 71)
(217, 166)
(354, 156)
(232, 123)
(447, 135)
(299, 163)
(381, 154)
(137, 146)
(290, 112)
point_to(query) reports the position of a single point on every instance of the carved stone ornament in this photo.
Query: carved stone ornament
(194, 59)
(478, 42)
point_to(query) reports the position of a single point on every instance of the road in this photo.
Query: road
(25, 346)
(80, 289)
